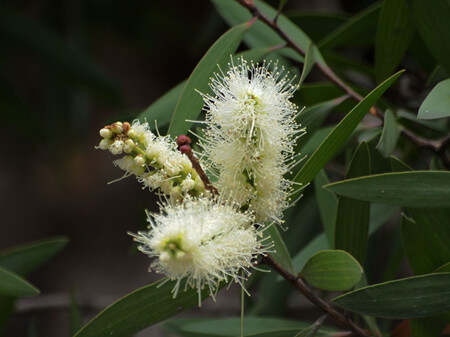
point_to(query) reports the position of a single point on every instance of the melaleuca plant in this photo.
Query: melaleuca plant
(260, 137)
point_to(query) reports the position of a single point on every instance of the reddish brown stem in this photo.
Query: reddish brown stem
(301, 286)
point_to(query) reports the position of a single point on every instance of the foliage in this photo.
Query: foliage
(375, 156)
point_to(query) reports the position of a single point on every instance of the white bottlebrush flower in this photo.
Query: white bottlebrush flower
(202, 241)
(250, 136)
(154, 160)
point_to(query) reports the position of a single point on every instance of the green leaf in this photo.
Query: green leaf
(140, 309)
(315, 93)
(394, 33)
(260, 35)
(333, 270)
(230, 327)
(445, 268)
(13, 285)
(317, 25)
(435, 125)
(352, 219)
(317, 244)
(358, 30)
(6, 310)
(410, 189)
(27, 258)
(390, 134)
(281, 254)
(327, 203)
(190, 102)
(437, 103)
(340, 134)
(308, 62)
(412, 297)
(426, 237)
(431, 19)
(75, 315)
(161, 110)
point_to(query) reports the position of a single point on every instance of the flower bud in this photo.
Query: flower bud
(105, 133)
(187, 184)
(116, 147)
(131, 133)
(129, 146)
(139, 160)
(104, 144)
(117, 127)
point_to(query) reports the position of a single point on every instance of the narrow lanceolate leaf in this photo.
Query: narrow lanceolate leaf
(358, 30)
(318, 24)
(230, 327)
(339, 135)
(190, 102)
(27, 258)
(412, 297)
(394, 33)
(13, 285)
(161, 110)
(327, 203)
(333, 270)
(281, 253)
(352, 219)
(431, 19)
(437, 103)
(390, 134)
(426, 238)
(260, 35)
(140, 309)
(410, 189)
(309, 62)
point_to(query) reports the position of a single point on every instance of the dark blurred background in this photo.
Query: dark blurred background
(66, 69)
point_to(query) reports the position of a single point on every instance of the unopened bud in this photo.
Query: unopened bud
(185, 148)
(187, 184)
(117, 127)
(116, 147)
(104, 144)
(131, 133)
(129, 146)
(183, 140)
(139, 160)
(126, 127)
(105, 133)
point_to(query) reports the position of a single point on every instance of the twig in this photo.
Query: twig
(298, 283)
(184, 146)
(439, 148)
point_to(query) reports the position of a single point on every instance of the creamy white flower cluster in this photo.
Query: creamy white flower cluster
(204, 241)
(199, 237)
(250, 137)
(154, 160)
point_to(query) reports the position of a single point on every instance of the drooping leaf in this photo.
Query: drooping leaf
(437, 103)
(339, 135)
(230, 327)
(139, 309)
(190, 102)
(412, 297)
(352, 219)
(410, 189)
(13, 285)
(394, 33)
(281, 253)
(27, 258)
(309, 61)
(333, 270)
(426, 237)
(431, 19)
(358, 30)
(390, 134)
(327, 203)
